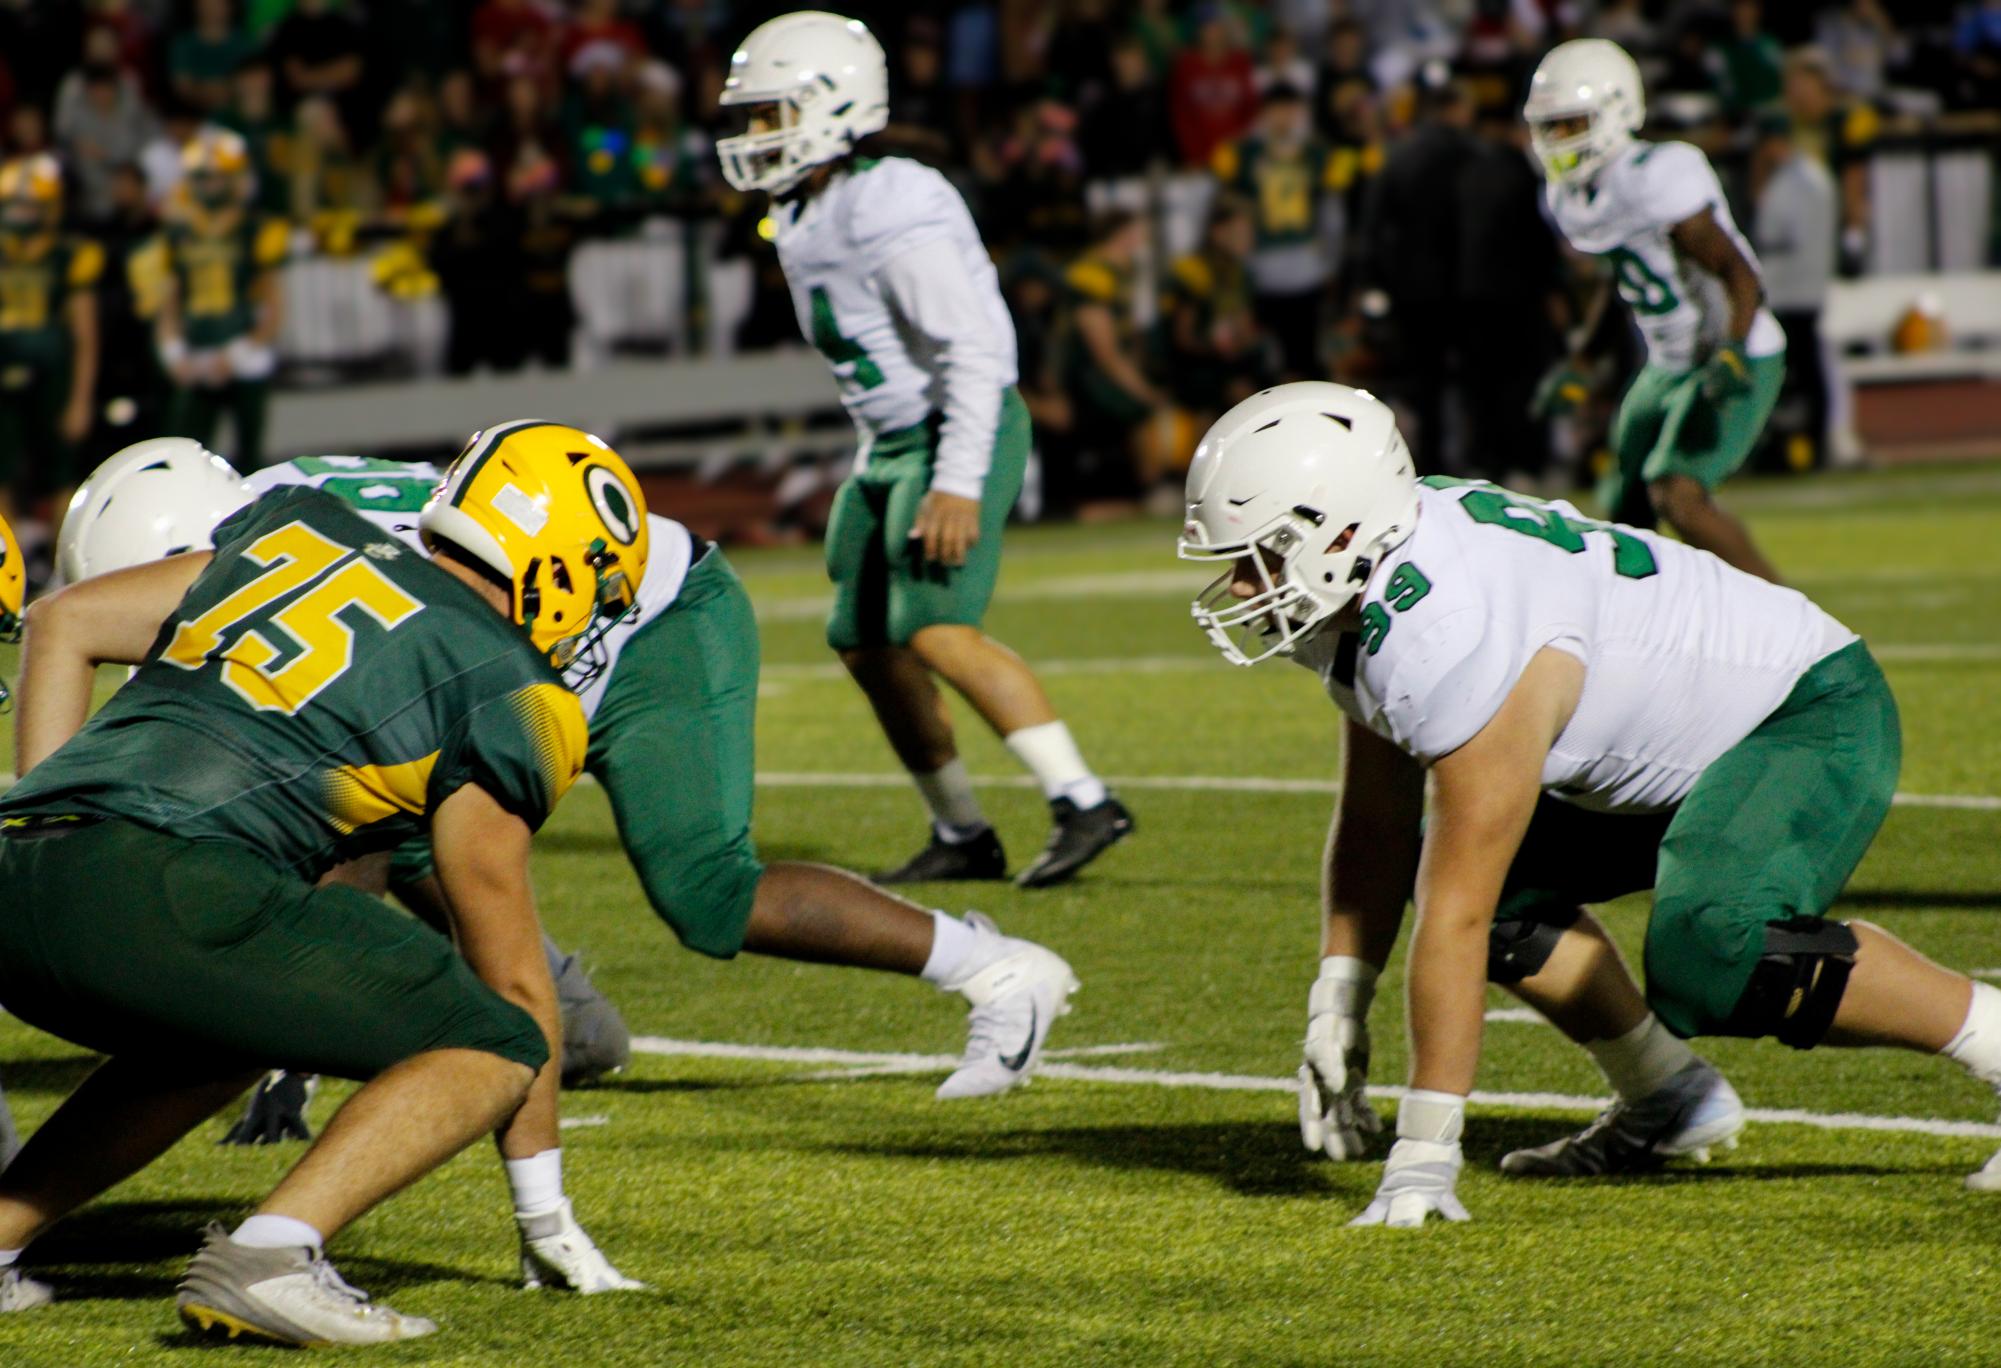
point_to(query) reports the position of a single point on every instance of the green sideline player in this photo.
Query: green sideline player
(1715, 355)
(670, 690)
(316, 693)
(889, 280)
(1595, 710)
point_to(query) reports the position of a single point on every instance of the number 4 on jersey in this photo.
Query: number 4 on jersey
(840, 349)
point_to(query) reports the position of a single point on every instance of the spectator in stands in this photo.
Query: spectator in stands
(1839, 134)
(409, 170)
(203, 59)
(525, 130)
(462, 122)
(160, 160)
(131, 398)
(1283, 64)
(920, 119)
(218, 322)
(1751, 60)
(1624, 22)
(333, 183)
(1860, 43)
(544, 317)
(1212, 96)
(471, 256)
(1410, 254)
(1038, 172)
(1794, 230)
(1288, 173)
(598, 22)
(1125, 132)
(508, 33)
(1034, 293)
(1976, 47)
(1346, 63)
(597, 125)
(1510, 274)
(254, 114)
(319, 52)
(1110, 394)
(48, 335)
(672, 160)
(102, 120)
(1215, 354)
(27, 131)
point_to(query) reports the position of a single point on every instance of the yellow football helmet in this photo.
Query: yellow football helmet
(555, 513)
(13, 590)
(31, 193)
(216, 162)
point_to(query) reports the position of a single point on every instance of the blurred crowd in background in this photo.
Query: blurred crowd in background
(1375, 216)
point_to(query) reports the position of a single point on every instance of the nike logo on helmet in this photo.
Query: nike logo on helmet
(1015, 1063)
(1239, 503)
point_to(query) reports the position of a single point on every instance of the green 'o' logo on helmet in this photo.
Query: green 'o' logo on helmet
(616, 506)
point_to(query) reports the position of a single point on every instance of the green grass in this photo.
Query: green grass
(783, 1218)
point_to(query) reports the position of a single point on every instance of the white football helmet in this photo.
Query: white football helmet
(1313, 484)
(827, 83)
(1586, 101)
(155, 498)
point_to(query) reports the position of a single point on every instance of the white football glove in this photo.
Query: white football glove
(1334, 1112)
(555, 1252)
(1423, 1166)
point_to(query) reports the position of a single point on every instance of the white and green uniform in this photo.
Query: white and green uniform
(670, 693)
(891, 282)
(1626, 214)
(1734, 746)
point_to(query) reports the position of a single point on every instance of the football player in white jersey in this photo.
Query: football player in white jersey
(891, 283)
(1716, 356)
(1595, 710)
(670, 692)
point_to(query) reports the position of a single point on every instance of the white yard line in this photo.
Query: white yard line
(1526, 1016)
(1233, 783)
(1226, 1082)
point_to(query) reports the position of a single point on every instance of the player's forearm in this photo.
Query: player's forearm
(1364, 887)
(1595, 305)
(536, 1128)
(974, 392)
(1447, 978)
(53, 696)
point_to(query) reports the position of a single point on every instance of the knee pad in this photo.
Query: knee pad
(1797, 983)
(1517, 950)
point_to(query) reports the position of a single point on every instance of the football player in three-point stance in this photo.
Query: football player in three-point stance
(310, 692)
(670, 690)
(1596, 710)
(1715, 355)
(891, 283)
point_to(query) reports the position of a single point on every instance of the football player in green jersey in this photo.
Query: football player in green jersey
(48, 333)
(218, 325)
(309, 693)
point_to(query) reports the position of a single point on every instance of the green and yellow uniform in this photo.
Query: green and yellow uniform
(216, 259)
(1215, 289)
(1291, 189)
(317, 694)
(39, 277)
(1091, 279)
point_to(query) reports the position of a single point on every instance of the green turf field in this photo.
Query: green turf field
(791, 1211)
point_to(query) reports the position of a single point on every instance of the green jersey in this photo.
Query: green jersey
(317, 694)
(37, 280)
(214, 270)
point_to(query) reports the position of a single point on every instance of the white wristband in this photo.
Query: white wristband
(1346, 985)
(1436, 1117)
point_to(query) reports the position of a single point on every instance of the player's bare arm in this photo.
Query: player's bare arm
(1482, 797)
(1372, 848)
(82, 317)
(110, 620)
(1702, 239)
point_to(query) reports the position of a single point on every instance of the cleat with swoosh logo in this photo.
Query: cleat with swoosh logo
(1017, 990)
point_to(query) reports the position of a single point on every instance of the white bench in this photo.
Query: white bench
(1866, 313)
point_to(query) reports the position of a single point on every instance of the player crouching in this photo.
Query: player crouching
(1597, 711)
(315, 694)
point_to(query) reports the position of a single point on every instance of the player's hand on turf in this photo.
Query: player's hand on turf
(1417, 1182)
(556, 1253)
(947, 525)
(1334, 1112)
(276, 1111)
(1727, 374)
(1563, 389)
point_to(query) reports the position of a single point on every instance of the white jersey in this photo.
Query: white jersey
(891, 283)
(1625, 213)
(1683, 655)
(391, 494)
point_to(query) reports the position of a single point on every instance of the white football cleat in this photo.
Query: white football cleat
(1986, 1179)
(1017, 989)
(18, 1292)
(1691, 1114)
(289, 1296)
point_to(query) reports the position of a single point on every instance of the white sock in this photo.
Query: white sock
(951, 942)
(276, 1232)
(1049, 753)
(948, 792)
(1978, 1045)
(1641, 1060)
(537, 1182)
(9, 1257)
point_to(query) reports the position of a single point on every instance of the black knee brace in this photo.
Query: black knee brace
(1797, 984)
(1519, 949)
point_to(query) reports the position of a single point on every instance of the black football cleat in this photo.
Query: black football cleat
(944, 861)
(1080, 836)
